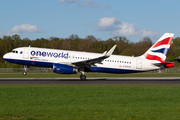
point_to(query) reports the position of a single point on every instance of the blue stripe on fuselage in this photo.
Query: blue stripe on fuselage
(30, 63)
(50, 65)
(112, 70)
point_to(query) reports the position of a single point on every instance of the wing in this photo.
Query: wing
(88, 63)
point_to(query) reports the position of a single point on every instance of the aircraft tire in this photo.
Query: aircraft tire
(83, 77)
(24, 73)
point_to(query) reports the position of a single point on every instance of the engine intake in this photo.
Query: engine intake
(64, 69)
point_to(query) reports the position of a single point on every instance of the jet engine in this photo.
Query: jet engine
(64, 69)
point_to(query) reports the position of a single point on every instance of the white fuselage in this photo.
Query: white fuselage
(43, 57)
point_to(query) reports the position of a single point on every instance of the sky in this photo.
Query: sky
(103, 19)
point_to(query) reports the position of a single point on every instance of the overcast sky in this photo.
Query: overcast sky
(103, 19)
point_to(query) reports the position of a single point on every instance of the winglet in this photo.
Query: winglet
(109, 53)
(105, 53)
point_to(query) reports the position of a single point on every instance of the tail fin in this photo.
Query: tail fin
(160, 49)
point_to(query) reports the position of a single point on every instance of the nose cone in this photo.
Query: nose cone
(6, 56)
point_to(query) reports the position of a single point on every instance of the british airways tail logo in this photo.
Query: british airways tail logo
(159, 50)
(50, 54)
(163, 51)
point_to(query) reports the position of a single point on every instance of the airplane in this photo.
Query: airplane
(177, 58)
(70, 62)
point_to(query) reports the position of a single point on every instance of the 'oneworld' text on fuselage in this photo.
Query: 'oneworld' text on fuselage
(50, 54)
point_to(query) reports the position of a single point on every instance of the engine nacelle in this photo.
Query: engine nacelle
(64, 69)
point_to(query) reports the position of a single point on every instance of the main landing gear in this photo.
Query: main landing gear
(25, 70)
(82, 76)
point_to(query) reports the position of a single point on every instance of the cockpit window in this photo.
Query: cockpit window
(14, 51)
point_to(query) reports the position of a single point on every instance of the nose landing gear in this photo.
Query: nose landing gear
(24, 73)
(25, 70)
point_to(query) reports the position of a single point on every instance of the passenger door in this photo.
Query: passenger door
(139, 64)
(26, 53)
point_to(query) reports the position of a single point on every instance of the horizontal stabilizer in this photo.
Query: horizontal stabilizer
(166, 64)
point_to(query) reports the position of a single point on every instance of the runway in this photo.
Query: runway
(115, 80)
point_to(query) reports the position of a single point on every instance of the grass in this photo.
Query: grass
(89, 102)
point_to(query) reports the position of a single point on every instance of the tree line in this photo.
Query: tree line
(88, 44)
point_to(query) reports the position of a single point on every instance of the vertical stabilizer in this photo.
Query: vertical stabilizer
(160, 49)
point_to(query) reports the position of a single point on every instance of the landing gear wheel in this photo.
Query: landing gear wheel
(24, 73)
(25, 70)
(82, 77)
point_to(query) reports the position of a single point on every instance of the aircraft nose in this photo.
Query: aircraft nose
(6, 56)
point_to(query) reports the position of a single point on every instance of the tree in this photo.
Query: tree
(142, 46)
(174, 50)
